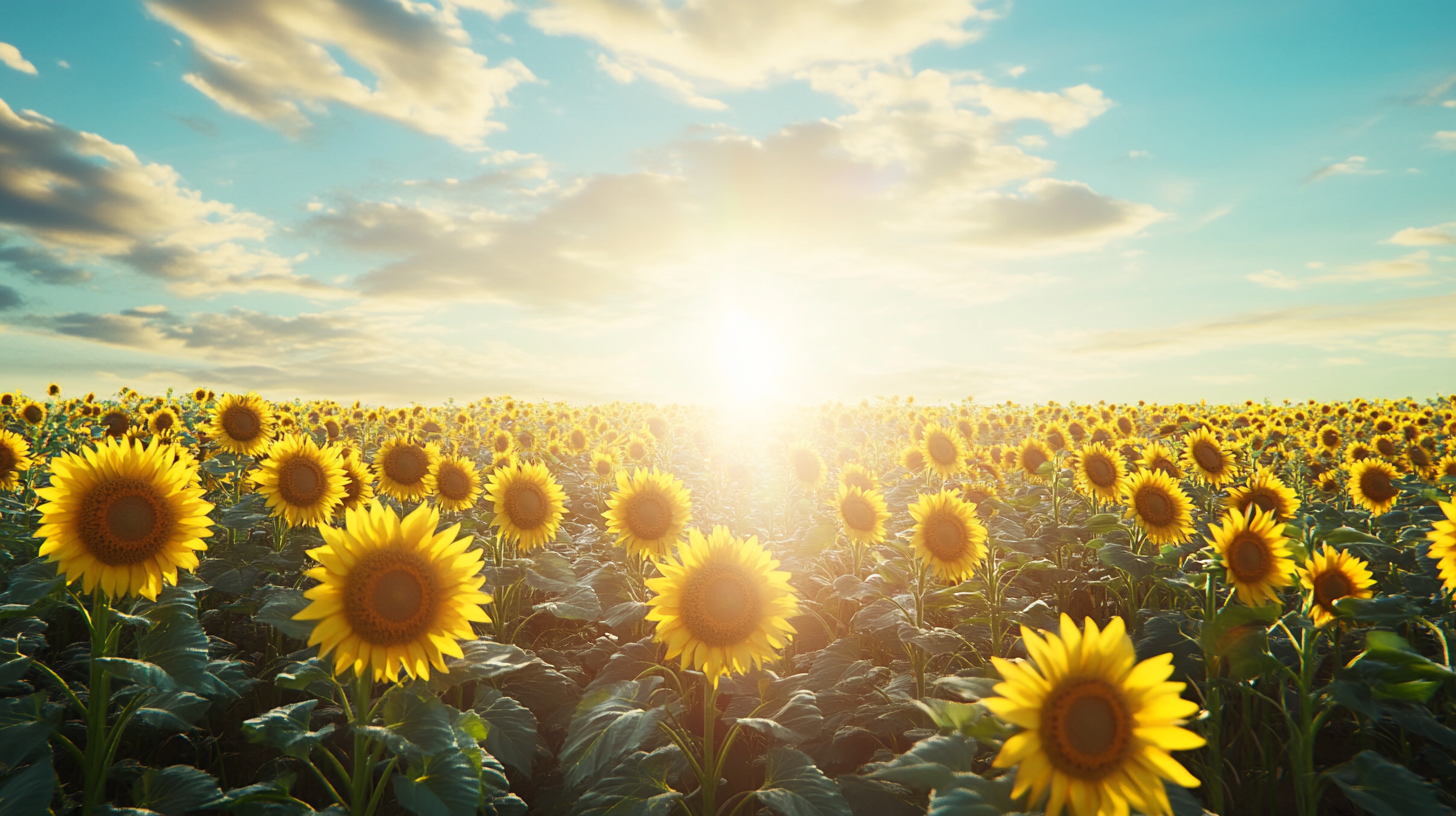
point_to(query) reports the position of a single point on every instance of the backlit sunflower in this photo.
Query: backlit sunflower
(502, 444)
(578, 440)
(854, 474)
(528, 503)
(942, 451)
(242, 424)
(14, 459)
(1443, 543)
(862, 513)
(1371, 485)
(722, 605)
(32, 412)
(403, 466)
(912, 459)
(116, 422)
(1159, 506)
(358, 483)
(163, 422)
(1446, 468)
(1331, 575)
(948, 535)
(123, 516)
(1328, 438)
(648, 512)
(806, 466)
(601, 464)
(1158, 456)
(1056, 437)
(302, 482)
(1098, 727)
(636, 449)
(1030, 455)
(1099, 472)
(979, 493)
(1266, 491)
(394, 594)
(455, 481)
(1206, 458)
(1255, 555)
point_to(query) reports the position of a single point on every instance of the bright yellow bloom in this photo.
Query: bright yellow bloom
(1265, 491)
(806, 466)
(1443, 543)
(394, 594)
(1159, 506)
(528, 503)
(1030, 455)
(242, 424)
(123, 517)
(648, 511)
(1099, 472)
(1329, 576)
(942, 451)
(14, 459)
(455, 481)
(1208, 459)
(1098, 727)
(1256, 555)
(862, 514)
(302, 482)
(403, 467)
(1371, 485)
(948, 535)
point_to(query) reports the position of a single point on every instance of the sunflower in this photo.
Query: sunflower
(358, 482)
(602, 464)
(394, 593)
(636, 448)
(648, 512)
(163, 422)
(1370, 485)
(1159, 457)
(1099, 472)
(455, 481)
(1267, 492)
(948, 535)
(942, 451)
(403, 467)
(1255, 555)
(577, 439)
(53, 390)
(1030, 455)
(1330, 576)
(862, 513)
(722, 604)
(1446, 468)
(1443, 543)
(123, 516)
(1097, 726)
(502, 444)
(1056, 437)
(1206, 458)
(807, 466)
(32, 412)
(1386, 446)
(1329, 438)
(242, 424)
(14, 459)
(912, 459)
(978, 494)
(1159, 505)
(857, 475)
(116, 423)
(1358, 452)
(528, 503)
(302, 482)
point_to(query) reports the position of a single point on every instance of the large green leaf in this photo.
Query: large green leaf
(1118, 555)
(779, 708)
(280, 604)
(578, 602)
(629, 663)
(550, 572)
(31, 582)
(1239, 635)
(1383, 788)
(29, 789)
(176, 641)
(610, 724)
(415, 725)
(286, 728)
(26, 724)
(175, 790)
(483, 660)
(1388, 610)
(443, 784)
(966, 719)
(512, 735)
(170, 710)
(638, 787)
(931, 763)
(876, 797)
(794, 786)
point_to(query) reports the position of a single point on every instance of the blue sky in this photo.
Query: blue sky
(785, 199)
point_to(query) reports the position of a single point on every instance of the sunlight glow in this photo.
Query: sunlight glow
(750, 358)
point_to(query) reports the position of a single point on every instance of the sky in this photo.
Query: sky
(729, 202)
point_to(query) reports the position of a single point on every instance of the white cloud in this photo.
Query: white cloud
(1015, 71)
(10, 55)
(1047, 214)
(1353, 166)
(750, 43)
(1445, 139)
(270, 60)
(1274, 279)
(81, 199)
(1414, 265)
(1425, 236)
(629, 68)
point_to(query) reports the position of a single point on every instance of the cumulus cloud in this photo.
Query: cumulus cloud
(1445, 139)
(1353, 166)
(10, 55)
(241, 333)
(1425, 236)
(749, 43)
(270, 60)
(1047, 214)
(77, 197)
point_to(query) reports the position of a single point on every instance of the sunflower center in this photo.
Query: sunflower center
(942, 450)
(720, 605)
(526, 505)
(453, 484)
(648, 517)
(406, 465)
(1330, 587)
(7, 460)
(858, 515)
(603, 467)
(1032, 460)
(1155, 508)
(1248, 558)
(116, 423)
(1262, 500)
(124, 521)
(391, 597)
(241, 423)
(1101, 472)
(301, 481)
(945, 538)
(1330, 439)
(163, 422)
(1086, 729)
(1375, 484)
(636, 450)
(33, 414)
(1208, 457)
(353, 487)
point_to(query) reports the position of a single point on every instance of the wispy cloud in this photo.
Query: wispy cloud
(1425, 236)
(1353, 166)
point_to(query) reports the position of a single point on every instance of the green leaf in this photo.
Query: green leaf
(312, 674)
(629, 663)
(874, 797)
(609, 724)
(286, 729)
(176, 642)
(12, 670)
(781, 709)
(840, 661)
(175, 790)
(637, 787)
(624, 615)
(954, 801)
(966, 719)
(578, 603)
(278, 609)
(483, 660)
(793, 786)
(1383, 788)
(1239, 636)
(32, 582)
(1118, 555)
(421, 721)
(1389, 610)
(550, 572)
(26, 724)
(29, 790)
(139, 672)
(931, 763)
(1347, 535)
(171, 710)
(442, 784)
(512, 735)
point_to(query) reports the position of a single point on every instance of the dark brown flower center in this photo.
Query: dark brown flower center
(33, 414)
(1331, 586)
(942, 450)
(1100, 472)
(452, 483)
(1208, 457)
(1032, 460)
(1086, 728)
(1375, 484)
(1154, 507)
(8, 460)
(391, 597)
(945, 537)
(526, 504)
(242, 423)
(407, 465)
(125, 521)
(858, 514)
(721, 606)
(648, 516)
(301, 482)
(1249, 558)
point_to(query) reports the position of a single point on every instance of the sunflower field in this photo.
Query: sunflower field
(218, 604)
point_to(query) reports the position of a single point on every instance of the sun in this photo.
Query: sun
(750, 358)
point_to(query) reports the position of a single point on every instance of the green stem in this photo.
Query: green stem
(379, 789)
(358, 796)
(70, 695)
(1215, 706)
(710, 761)
(99, 702)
